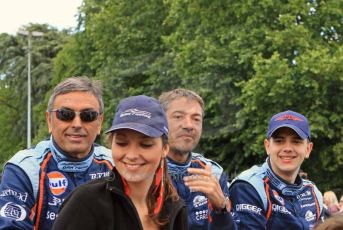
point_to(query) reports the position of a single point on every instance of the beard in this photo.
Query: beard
(182, 149)
(178, 151)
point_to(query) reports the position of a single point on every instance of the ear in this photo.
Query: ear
(309, 148)
(267, 145)
(165, 150)
(48, 118)
(100, 121)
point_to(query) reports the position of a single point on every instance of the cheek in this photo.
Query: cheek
(93, 127)
(117, 153)
(154, 157)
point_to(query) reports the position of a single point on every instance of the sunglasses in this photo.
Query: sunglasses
(69, 115)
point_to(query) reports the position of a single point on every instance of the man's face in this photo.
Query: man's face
(185, 125)
(287, 152)
(75, 137)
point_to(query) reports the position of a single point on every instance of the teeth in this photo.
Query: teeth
(132, 166)
(286, 158)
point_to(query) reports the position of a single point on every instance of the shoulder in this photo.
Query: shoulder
(250, 183)
(252, 175)
(32, 155)
(103, 153)
(313, 185)
(214, 165)
(317, 192)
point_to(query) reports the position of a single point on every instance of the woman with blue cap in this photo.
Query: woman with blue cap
(139, 194)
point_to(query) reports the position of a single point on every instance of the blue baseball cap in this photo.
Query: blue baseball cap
(140, 113)
(290, 119)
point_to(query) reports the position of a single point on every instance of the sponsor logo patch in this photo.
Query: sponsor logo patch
(135, 112)
(310, 216)
(13, 211)
(304, 194)
(201, 215)
(58, 183)
(280, 209)
(11, 192)
(307, 205)
(99, 175)
(279, 198)
(56, 201)
(199, 201)
(249, 208)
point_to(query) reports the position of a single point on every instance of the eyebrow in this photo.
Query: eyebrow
(183, 113)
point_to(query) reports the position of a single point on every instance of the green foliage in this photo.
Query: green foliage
(247, 59)
(13, 84)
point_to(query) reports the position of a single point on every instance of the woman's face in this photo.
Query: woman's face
(137, 156)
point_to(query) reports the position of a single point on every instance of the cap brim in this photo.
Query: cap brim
(301, 133)
(142, 128)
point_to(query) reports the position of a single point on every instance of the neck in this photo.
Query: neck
(139, 192)
(289, 178)
(138, 195)
(179, 158)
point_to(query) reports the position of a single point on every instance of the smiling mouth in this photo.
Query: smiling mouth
(133, 166)
(287, 158)
(75, 135)
(186, 136)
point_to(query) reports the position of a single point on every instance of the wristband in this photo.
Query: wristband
(223, 208)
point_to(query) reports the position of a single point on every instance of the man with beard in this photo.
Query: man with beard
(199, 181)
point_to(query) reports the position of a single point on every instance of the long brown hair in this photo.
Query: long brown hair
(169, 192)
(154, 191)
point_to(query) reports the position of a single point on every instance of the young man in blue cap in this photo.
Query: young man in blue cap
(274, 196)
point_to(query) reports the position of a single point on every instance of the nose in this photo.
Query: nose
(188, 123)
(131, 153)
(288, 146)
(77, 121)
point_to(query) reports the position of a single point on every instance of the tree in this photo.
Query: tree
(13, 83)
(248, 60)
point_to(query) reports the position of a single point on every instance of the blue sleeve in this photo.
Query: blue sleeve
(222, 220)
(16, 199)
(247, 207)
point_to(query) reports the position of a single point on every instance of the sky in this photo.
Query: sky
(57, 13)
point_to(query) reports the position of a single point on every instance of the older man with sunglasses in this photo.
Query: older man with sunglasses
(37, 180)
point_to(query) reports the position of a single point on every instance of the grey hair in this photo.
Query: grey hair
(74, 84)
(167, 97)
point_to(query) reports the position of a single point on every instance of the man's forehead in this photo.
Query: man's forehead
(186, 106)
(81, 100)
(285, 131)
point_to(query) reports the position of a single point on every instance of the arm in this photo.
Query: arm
(223, 220)
(202, 180)
(16, 199)
(247, 207)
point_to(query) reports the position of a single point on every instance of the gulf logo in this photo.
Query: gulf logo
(58, 183)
